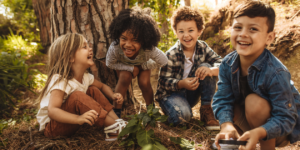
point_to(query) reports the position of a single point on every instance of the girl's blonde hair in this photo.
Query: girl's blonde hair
(61, 51)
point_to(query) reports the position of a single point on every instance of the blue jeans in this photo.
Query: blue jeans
(179, 105)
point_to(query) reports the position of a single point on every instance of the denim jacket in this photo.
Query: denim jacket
(271, 80)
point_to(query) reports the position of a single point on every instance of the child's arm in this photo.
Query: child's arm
(211, 57)
(158, 58)
(112, 60)
(166, 78)
(222, 105)
(56, 113)
(106, 90)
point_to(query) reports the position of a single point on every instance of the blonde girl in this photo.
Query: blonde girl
(71, 96)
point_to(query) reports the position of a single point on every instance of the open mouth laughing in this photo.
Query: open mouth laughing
(90, 56)
(243, 43)
(129, 52)
(187, 40)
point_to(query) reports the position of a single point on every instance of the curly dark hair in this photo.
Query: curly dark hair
(187, 13)
(140, 24)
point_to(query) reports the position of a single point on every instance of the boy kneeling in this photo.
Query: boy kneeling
(256, 97)
(189, 73)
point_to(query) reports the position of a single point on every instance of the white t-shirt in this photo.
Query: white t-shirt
(73, 85)
(188, 64)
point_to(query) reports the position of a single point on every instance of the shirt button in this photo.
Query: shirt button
(290, 105)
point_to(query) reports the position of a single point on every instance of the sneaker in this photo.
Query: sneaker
(207, 116)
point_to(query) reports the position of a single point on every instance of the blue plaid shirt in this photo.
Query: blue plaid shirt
(172, 73)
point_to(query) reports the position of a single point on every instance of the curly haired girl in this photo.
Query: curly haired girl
(71, 96)
(133, 51)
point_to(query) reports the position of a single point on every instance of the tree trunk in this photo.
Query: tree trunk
(187, 2)
(42, 12)
(91, 18)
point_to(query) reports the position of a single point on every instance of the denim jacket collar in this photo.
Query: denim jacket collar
(258, 63)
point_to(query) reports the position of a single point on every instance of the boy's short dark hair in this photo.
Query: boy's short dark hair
(186, 13)
(140, 24)
(256, 8)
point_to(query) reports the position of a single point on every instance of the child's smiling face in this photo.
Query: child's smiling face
(249, 36)
(129, 44)
(84, 56)
(187, 33)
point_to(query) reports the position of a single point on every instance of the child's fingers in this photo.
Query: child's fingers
(194, 80)
(202, 73)
(93, 115)
(94, 112)
(88, 122)
(119, 102)
(91, 119)
(203, 76)
(195, 86)
(217, 138)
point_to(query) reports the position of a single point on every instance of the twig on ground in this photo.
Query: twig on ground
(37, 146)
(191, 123)
(295, 15)
(30, 134)
(27, 145)
(47, 146)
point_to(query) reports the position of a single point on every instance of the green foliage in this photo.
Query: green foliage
(136, 130)
(4, 124)
(14, 42)
(161, 12)
(184, 144)
(24, 20)
(14, 74)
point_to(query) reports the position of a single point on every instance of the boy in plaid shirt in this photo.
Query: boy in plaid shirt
(190, 72)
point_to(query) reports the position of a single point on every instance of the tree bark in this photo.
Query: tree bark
(42, 12)
(91, 18)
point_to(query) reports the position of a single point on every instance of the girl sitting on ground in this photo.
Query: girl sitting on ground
(71, 96)
(133, 51)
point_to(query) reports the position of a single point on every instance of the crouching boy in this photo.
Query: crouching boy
(189, 73)
(256, 99)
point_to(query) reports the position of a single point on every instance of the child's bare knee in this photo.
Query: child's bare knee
(125, 78)
(144, 84)
(256, 105)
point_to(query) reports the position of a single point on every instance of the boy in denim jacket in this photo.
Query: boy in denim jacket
(189, 73)
(256, 99)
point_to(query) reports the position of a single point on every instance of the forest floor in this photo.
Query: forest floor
(25, 135)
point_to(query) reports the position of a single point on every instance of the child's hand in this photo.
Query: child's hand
(118, 98)
(202, 72)
(227, 131)
(252, 137)
(190, 83)
(135, 72)
(88, 117)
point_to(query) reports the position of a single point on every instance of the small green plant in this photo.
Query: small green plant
(184, 143)
(136, 130)
(5, 123)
